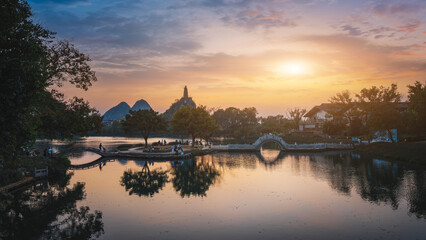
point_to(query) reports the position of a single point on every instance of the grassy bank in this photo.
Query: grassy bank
(410, 152)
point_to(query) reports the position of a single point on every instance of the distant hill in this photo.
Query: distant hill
(141, 105)
(184, 101)
(119, 112)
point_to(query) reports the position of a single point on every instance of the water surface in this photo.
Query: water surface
(335, 195)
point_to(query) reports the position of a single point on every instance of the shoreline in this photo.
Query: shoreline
(406, 152)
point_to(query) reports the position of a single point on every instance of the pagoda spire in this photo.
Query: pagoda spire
(185, 92)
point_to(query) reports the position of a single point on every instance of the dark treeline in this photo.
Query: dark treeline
(33, 67)
(379, 109)
(371, 110)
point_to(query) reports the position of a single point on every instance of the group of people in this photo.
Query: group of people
(201, 143)
(177, 149)
(48, 152)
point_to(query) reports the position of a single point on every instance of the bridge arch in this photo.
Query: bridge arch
(270, 138)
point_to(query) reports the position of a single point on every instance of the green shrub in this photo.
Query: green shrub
(9, 176)
(58, 165)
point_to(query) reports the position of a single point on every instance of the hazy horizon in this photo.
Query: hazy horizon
(272, 55)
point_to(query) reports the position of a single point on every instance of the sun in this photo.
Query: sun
(292, 68)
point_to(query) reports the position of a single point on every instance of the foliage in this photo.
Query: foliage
(145, 182)
(350, 114)
(417, 105)
(295, 116)
(9, 176)
(274, 124)
(379, 107)
(145, 122)
(239, 123)
(115, 129)
(342, 98)
(63, 120)
(31, 65)
(195, 122)
(333, 127)
(50, 213)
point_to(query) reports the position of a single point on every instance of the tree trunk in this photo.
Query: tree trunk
(146, 141)
(193, 140)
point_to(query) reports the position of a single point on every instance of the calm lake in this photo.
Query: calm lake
(270, 195)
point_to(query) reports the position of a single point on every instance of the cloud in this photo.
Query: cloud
(354, 31)
(253, 19)
(410, 27)
(391, 9)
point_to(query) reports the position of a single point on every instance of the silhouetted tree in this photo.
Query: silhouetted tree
(295, 115)
(379, 105)
(195, 122)
(274, 124)
(417, 105)
(145, 122)
(31, 65)
(237, 123)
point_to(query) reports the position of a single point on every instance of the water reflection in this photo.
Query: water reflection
(49, 211)
(247, 197)
(194, 178)
(144, 182)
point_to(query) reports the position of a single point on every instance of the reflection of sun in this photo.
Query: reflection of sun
(292, 68)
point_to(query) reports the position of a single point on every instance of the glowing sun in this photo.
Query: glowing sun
(292, 68)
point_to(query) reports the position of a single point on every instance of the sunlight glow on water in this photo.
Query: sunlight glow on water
(237, 195)
(266, 195)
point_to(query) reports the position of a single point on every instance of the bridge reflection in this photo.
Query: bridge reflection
(374, 180)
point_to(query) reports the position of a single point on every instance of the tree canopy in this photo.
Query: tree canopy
(379, 106)
(195, 122)
(238, 123)
(145, 122)
(417, 104)
(295, 115)
(32, 65)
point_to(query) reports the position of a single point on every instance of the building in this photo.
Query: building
(318, 115)
(184, 101)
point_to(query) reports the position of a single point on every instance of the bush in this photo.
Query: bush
(58, 165)
(9, 176)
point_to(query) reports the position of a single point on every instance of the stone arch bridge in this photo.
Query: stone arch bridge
(270, 138)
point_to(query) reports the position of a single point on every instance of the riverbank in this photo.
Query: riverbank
(410, 152)
(25, 165)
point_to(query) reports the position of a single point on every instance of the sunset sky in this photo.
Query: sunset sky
(272, 55)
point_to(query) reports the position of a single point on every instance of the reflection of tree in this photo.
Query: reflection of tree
(378, 181)
(417, 193)
(145, 182)
(194, 177)
(50, 213)
(335, 168)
